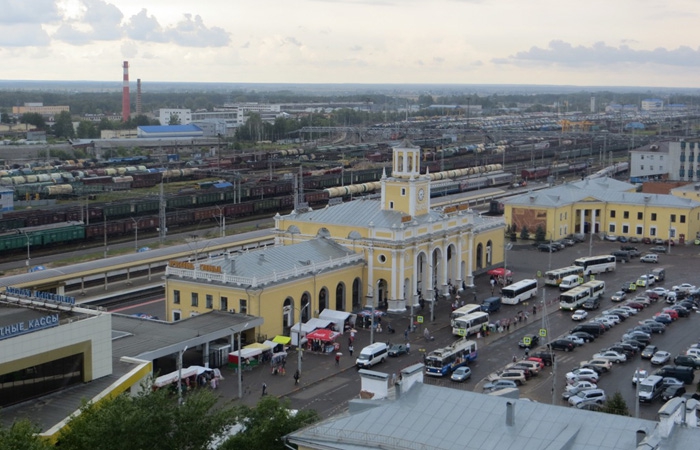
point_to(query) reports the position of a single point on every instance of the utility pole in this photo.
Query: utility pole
(162, 230)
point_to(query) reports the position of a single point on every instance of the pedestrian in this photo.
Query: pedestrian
(525, 315)
(515, 358)
(408, 347)
(534, 310)
(296, 377)
(337, 359)
(264, 389)
(350, 349)
(475, 301)
(493, 285)
(405, 334)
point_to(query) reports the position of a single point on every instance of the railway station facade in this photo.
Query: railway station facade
(382, 252)
(606, 206)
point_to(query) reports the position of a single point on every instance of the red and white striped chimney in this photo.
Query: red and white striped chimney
(126, 104)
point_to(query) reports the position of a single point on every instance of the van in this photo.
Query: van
(589, 328)
(660, 273)
(569, 282)
(650, 388)
(371, 355)
(491, 304)
(650, 258)
(622, 256)
(682, 373)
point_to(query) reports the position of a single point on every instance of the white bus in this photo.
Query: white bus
(554, 277)
(463, 311)
(575, 298)
(519, 292)
(470, 324)
(597, 288)
(596, 264)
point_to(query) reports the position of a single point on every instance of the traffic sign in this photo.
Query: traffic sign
(419, 319)
(543, 332)
(527, 340)
(539, 274)
(462, 332)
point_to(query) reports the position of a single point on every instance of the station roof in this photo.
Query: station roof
(167, 129)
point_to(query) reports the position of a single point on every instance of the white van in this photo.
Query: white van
(371, 355)
(650, 388)
(569, 282)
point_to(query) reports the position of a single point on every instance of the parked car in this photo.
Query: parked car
(657, 241)
(628, 350)
(579, 314)
(682, 311)
(652, 258)
(610, 237)
(656, 327)
(581, 374)
(596, 396)
(658, 249)
(575, 339)
(635, 304)
(622, 239)
(604, 364)
(561, 344)
(579, 386)
(637, 336)
(660, 358)
(672, 392)
(671, 312)
(639, 375)
(546, 357)
(500, 384)
(629, 287)
(663, 318)
(634, 240)
(547, 248)
(645, 280)
(618, 296)
(685, 287)
(586, 337)
(461, 374)
(659, 290)
(649, 351)
(612, 356)
(513, 375)
(688, 361)
(633, 251)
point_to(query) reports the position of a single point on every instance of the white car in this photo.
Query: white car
(618, 296)
(630, 311)
(579, 314)
(661, 357)
(577, 387)
(645, 280)
(610, 237)
(575, 339)
(685, 287)
(613, 318)
(605, 320)
(582, 374)
(659, 290)
(639, 375)
(612, 356)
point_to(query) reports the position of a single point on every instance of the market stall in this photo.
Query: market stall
(323, 340)
(501, 275)
(366, 317)
(249, 357)
(306, 328)
(171, 378)
(342, 320)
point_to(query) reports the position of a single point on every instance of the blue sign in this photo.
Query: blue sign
(28, 326)
(38, 295)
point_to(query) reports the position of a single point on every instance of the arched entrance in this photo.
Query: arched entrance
(382, 292)
(421, 274)
(305, 306)
(489, 253)
(322, 299)
(452, 263)
(287, 314)
(340, 297)
(479, 256)
(407, 294)
(436, 269)
(356, 293)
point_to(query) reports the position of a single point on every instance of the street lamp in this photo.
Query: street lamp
(179, 376)
(301, 310)
(26, 236)
(136, 234)
(506, 249)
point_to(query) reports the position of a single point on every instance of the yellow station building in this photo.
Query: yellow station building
(606, 206)
(377, 252)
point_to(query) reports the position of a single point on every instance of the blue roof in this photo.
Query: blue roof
(169, 128)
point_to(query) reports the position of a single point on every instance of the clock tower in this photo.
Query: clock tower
(406, 190)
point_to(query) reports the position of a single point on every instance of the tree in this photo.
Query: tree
(540, 235)
(63, 126)
(616, 405)
(150, 420)
(35, 119)
(22, 434)
(87, 129)
(524, 233)
(5, 118)
(174, 119)
(267, 423)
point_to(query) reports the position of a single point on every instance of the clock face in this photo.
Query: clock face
(421, 194)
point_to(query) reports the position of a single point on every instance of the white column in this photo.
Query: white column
(414, 282)
(394, 286)
(445, 270)
(429, 281)
(580, 221)
(593, 220)
(370, 277)
(402, 275)
(470, 263)
(459, 261)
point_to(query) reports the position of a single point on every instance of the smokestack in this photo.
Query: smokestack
(138, 96)
(510, 414)
(126, 104)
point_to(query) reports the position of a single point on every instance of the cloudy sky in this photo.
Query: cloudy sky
(592, 42)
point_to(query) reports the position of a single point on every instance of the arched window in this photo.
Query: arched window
(489, 253)
(480, 256)
(305, 313)
(288, 314)
(322, 299)
(356, 292)
(340, 297)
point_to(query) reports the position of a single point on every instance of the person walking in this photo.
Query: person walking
(350, 349)
(296, 377)
(337, 359)
(534, 310)
(408, 348)
(264, 389)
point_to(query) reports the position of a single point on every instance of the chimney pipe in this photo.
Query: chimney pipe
(510, 414)
(138, 96)
(126, 103)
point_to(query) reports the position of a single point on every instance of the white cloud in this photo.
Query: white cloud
(99, 21)
(191, 32)
(23, 35)
(25, 11)
(143, 27)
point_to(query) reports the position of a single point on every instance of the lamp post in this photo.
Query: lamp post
(179, 376)
(301, 310)
(26, 236)
(506, 249)
(136, 234)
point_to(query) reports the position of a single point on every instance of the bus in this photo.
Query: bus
(444, 361)
(470, 324)
(463, 311)
(574, 298)
(597, 288)
(596, 264)
(519, 292)
(554, 277)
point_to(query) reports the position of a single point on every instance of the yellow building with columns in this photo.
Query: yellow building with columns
(365, 252)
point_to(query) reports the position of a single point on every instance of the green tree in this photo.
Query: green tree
(540, 235)
(87, 129)
(174, 119)
(5, 118)
(63, 125)
(524, 233)
(266, 423)
(616, 405)
(150, 420)
(22, 434)
(35, 119)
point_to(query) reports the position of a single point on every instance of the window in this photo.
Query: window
(641, 167)
(391, 205)
(652, 231)
(642, 157)
(612, 214)
(224, 303)
(611, 228)
(661, 157)
(209, 301)
(195, 299)
(176, 297)
(243, 306)
(640, 216)
(403, 191)
(653, 217)
(651, 167)
(682, 218)
(626, 214)
(651, 157)
(639, 231)
(625, 229)
(673, 218)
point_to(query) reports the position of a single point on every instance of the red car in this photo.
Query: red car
(646, 240)
(652, 295)
(635, 305)
(671, 312)
(537, 360)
